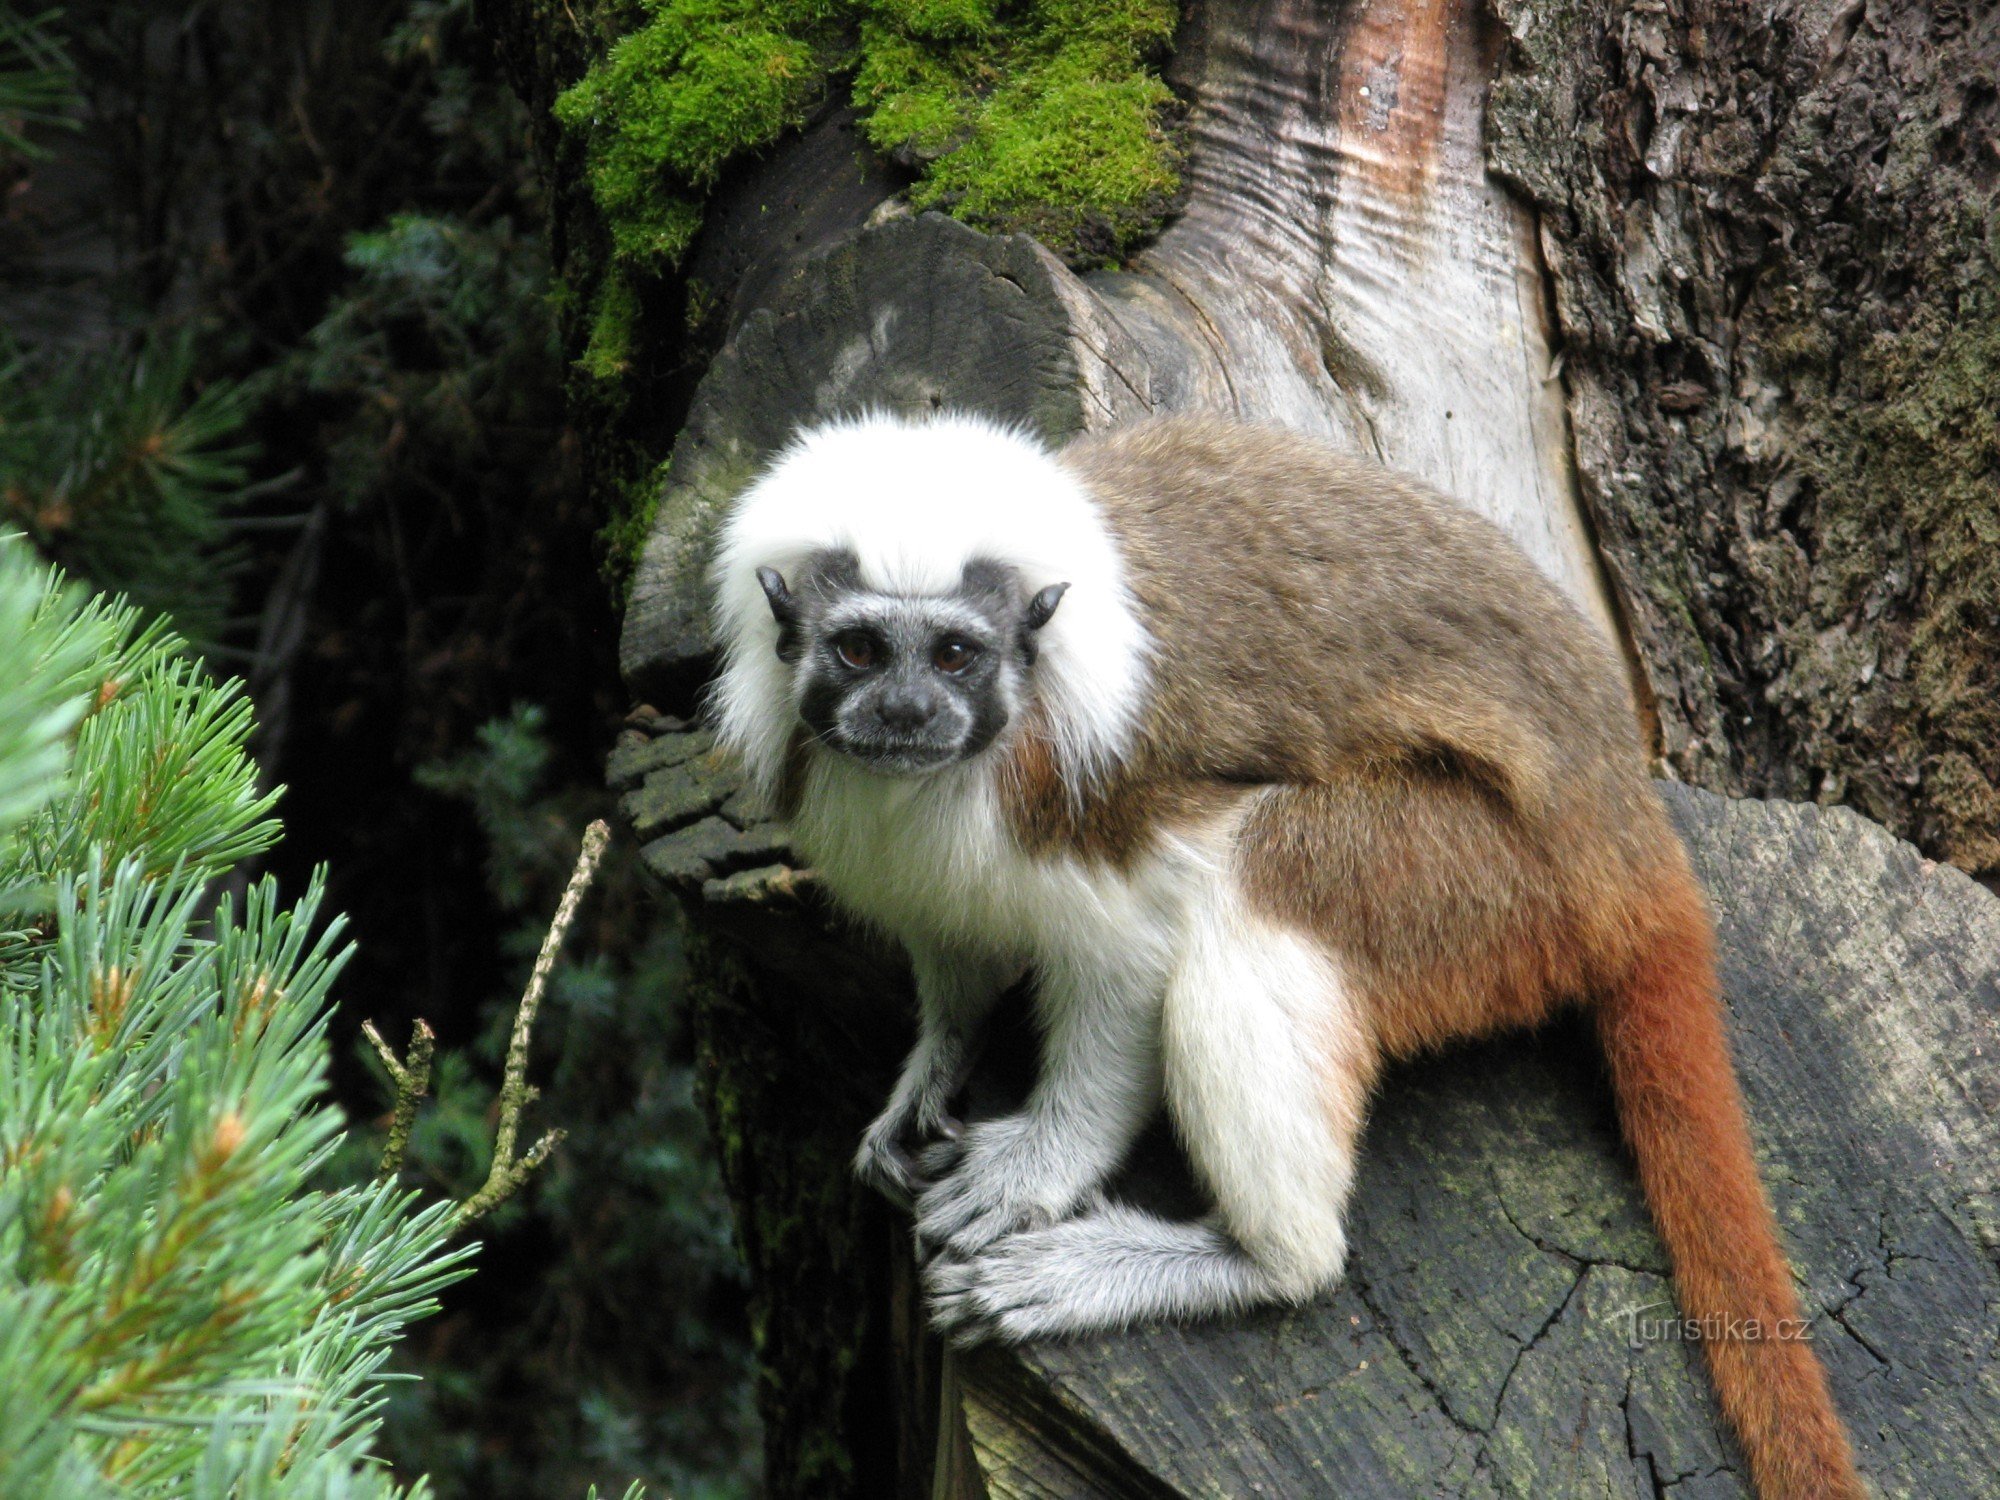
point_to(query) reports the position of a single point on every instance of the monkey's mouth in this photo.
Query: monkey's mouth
(894, 756)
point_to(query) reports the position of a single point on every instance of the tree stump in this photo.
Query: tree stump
(1507, 1326)
(1346, 264)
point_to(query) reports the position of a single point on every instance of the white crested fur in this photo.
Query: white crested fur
(916, 501)
(1160, 982)
(933, 861)
(1155, 982)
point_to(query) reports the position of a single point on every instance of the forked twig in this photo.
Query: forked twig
(412, 1076)
(508, 1172)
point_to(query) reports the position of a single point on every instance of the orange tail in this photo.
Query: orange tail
(1678, 1101)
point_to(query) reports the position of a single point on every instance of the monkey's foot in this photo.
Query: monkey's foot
(1000, 1177)
(1108, 1268)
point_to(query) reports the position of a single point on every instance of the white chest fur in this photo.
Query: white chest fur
(931, 859)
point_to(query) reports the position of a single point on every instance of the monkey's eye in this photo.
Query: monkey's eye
(855, 650)
(953, 655)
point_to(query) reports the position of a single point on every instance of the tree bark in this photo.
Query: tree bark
(1696, 301)
(1771, 231)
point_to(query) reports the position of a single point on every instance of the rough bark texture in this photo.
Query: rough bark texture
(796, 1025)
(1772, 232)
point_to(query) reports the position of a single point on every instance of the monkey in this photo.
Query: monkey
(1266, 766)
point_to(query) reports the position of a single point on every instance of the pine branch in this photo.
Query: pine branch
(187, 1311)
(508, 1171)
(412, 1077)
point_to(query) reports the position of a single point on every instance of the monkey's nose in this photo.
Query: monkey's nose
(901, 713)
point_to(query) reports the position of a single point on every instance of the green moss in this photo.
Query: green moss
(624, 534)
(1045, 116)
(674, 100)
(1075, 161)
(607, 354)
(703, 308)
(1055, 125)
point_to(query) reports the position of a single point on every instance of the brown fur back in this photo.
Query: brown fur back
(1437, 767)
(1460, 805)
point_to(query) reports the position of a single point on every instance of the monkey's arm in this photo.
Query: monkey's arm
(1099, 1084)
(955, 994)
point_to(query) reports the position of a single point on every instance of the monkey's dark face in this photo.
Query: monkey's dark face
(906, 685)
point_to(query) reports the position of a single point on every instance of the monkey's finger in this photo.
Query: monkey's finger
(972, 1332)
(937, 1159)
(892, 1172)
(912, 1177)
(951, 1292)
(950, 1128)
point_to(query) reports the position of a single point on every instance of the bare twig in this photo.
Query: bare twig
(508, 1171)
(412, 1076)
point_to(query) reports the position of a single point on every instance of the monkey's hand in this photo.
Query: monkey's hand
(1100, 1269)
(888, 1158)
(1002, 1176)
(918, 1114)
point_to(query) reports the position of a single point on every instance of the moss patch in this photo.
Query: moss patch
(1045, 116)
(1052, 122)
(623, 535)
(672, 101)
(607, 354)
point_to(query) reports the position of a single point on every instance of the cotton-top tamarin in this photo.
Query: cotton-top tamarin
(1267, 765)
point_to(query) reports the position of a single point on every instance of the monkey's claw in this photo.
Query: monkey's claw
(895, 1160)
(937, 1160)
(951, 1289)
(884, 1164)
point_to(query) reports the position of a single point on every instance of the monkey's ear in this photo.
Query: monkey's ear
(784, 608)
(1044, 605)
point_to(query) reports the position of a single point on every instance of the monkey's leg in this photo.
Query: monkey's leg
(1268, 1063)
(1099, 1084)
(955, 994)
(1266, 1074)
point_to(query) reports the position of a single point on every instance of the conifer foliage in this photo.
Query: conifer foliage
(184, 1308)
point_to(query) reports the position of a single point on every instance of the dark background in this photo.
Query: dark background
(280, 360)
